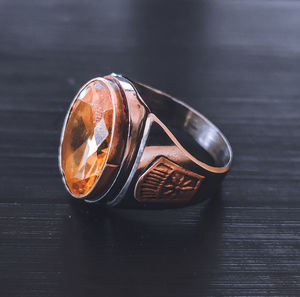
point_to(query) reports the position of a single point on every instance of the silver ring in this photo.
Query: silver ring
(126, 144)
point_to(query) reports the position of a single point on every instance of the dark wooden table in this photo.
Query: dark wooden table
(236, 61)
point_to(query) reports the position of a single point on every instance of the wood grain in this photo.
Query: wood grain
(238, 63)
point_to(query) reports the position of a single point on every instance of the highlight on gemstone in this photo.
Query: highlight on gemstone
(87, 137)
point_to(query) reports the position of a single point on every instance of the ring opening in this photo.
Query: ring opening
(184, 122)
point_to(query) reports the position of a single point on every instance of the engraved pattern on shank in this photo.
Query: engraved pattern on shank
(167, 182)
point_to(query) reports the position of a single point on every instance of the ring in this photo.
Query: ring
(127, 144)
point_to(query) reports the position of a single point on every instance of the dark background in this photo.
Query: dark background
(236, 61)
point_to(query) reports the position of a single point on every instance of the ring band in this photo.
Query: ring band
(126, 144)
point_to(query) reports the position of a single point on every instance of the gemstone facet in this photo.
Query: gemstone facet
(87, 137)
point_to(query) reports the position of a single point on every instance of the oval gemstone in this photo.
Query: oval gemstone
(87, 137)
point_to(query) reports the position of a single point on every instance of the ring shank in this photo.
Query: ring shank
(177, 116)
(174, 155)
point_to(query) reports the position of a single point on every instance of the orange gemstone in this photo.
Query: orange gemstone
(87, 137)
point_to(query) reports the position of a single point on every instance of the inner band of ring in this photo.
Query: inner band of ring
(175, 115)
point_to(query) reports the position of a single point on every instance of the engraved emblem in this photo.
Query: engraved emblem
(167, 182)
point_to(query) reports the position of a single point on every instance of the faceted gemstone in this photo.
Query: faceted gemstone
(87, 137)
